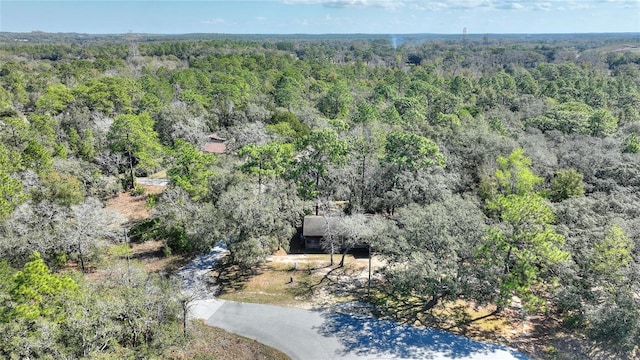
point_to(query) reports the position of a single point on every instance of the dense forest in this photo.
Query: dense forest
(489, 171)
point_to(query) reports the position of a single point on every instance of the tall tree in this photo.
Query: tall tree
(288, 88)
(408, 151)
(264, 161)
(191, 170)
(318, 151)
(337, 100)
(522, 248)
(11, 194)
(134, 137)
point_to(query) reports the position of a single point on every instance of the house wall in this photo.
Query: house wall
(312, 242)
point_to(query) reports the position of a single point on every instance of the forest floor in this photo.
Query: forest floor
(309, 281)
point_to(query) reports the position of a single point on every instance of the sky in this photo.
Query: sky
(321, 16)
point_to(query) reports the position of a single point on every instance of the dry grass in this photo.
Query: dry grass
(133, 207)
(159, 175)
(214, 343)
(298, 281)
(149, 253)
(489, 328)
(152, 256)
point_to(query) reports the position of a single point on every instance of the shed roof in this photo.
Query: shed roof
(215, 136)
(314, 225)
(214, 147)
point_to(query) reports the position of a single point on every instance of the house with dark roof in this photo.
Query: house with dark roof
(314, 228)
(215, 144)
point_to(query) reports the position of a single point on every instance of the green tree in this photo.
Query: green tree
(36, 292)
(134, 137)
(391, 116)
(257, 224)
(319, 150)
(64, 189)
(513, 176)
(11, 194)
(565, 184)
(602, 123)
(15, 131)
(572, 118)
(631, 144)
(337, 100)
(430, 255)
(185, 225)
(408, 151)
(287, 92)
(294, 126)
(366, 113)
(55, 99)
(270, 160)
(35, 156)
(191, 170)
(611, 257)
(110, 95)
(523, 248)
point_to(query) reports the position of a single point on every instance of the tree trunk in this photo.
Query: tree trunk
(331, 253)
(317, 196)
(362, 180)
(81, 262)
(185, 310)
(432, 302)
(369, 284)
(132, 184)
(344, 254)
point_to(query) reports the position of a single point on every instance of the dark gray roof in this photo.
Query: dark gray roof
(314, 225)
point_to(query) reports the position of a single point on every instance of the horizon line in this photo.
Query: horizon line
(38, 32)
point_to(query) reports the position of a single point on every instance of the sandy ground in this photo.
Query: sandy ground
(194, 276)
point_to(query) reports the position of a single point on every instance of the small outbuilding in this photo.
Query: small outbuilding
(313, 230)
(215, 144)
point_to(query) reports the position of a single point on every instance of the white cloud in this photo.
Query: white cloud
(437, 5)
(508, 5)
(216, 21)
(543, 6)
(387, 4)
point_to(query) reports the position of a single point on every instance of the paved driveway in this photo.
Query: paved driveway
(313, 335)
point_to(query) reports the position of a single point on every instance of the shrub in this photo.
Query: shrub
(138, 190)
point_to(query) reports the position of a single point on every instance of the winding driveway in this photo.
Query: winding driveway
(316, 335)
(329, 334)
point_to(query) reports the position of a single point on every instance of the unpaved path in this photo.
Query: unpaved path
(194, 275)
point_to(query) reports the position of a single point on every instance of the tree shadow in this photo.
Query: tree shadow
(231, 278)
(370, 336)
(332, 282)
